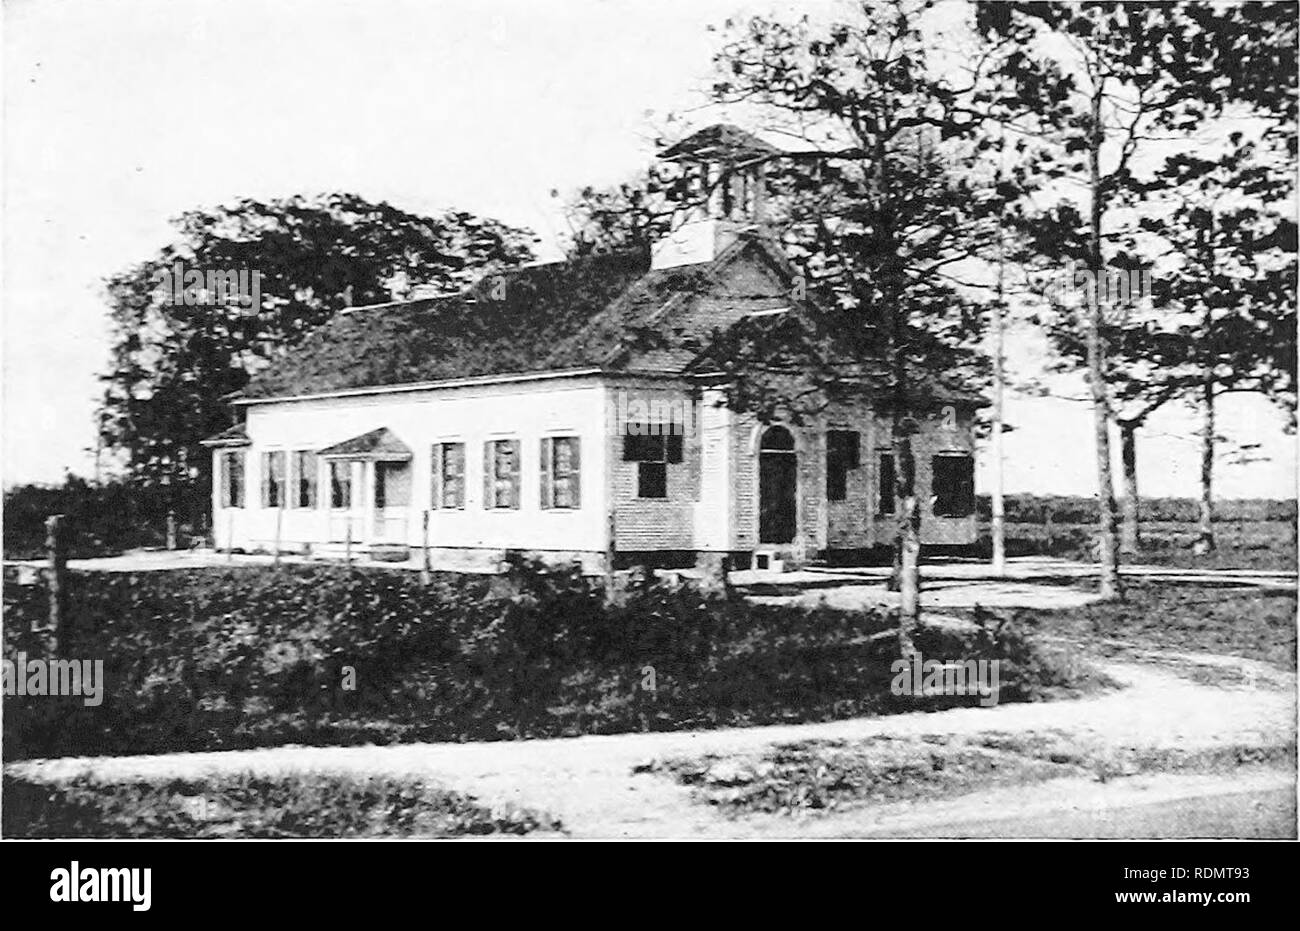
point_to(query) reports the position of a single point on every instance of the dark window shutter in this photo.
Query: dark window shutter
(516, 474)
(546, 472)
(489, 472)
(435, 477)
(575, 472)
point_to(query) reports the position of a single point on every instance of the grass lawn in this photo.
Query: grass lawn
(817, 775)
(1241, 544)
(313, 805)
(1245, 621)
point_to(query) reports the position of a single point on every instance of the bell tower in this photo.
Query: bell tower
(724, 169)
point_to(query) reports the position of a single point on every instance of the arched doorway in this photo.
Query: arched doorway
(778, 481)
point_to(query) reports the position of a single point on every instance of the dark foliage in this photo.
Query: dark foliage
(102, 519)
(216, 659)
(244, 805)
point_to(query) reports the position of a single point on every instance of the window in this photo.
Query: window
(232, 478)
(842, 451)
(273, 479)
(392, 484)
(501, 474)
(560, 472)
(653, 447)
(304, 469)
(340, 484)
(952, 482)
(885, 484)
(448, 475)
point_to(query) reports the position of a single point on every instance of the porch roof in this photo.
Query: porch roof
(231, 436)
(380, 445)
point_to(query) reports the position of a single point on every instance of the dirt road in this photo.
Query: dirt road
(590, 783)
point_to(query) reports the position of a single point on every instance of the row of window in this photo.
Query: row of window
(289, 478)
(952, 481)
(952, 477)
(952, 484)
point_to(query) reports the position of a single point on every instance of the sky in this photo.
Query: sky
(121, 114)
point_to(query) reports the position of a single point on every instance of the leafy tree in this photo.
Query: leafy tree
(1136, 75)
(630, 215)
(880, 205)
(174, 363)
(1232, 294)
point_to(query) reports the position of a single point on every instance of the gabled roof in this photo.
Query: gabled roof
(543, 318)
(588, 313)
(720, 141)
(381, 444)
(604, 313)
(231, 436)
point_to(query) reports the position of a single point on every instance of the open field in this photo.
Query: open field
(1240, 544)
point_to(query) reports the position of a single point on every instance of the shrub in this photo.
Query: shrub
(237, 657)
(102, 518)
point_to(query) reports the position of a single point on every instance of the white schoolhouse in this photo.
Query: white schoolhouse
(525, 416)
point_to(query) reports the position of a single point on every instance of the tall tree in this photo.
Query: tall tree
(1232, 293)
(180, 348)
(1139, 74)
(881, 208)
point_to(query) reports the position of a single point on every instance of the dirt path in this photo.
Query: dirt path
(589, 783)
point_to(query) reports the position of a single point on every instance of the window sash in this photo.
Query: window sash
(645, 442)
(341, 485)
(273, 484)
(952, 484)
(306, 467)
(232, 479)
(448, 476)
(842, 456)
(561, 472)
(652, 480)
(501, 475)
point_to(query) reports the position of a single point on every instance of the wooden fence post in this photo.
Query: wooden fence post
(279, 518)
(426, 575)
(348, 550)
(57, 577)
(611, 553)
(230, 535)
(171, 528)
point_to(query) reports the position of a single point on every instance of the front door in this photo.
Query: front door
(778, 480)
(391, 486)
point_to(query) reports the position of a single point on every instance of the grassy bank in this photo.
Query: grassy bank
(1246, 621)
(327, 655)
(311, 805)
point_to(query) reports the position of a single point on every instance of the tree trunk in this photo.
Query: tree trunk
(1108, 520)
(1205, 530)
(909, 540)
(56, 581)
(1130, 535)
